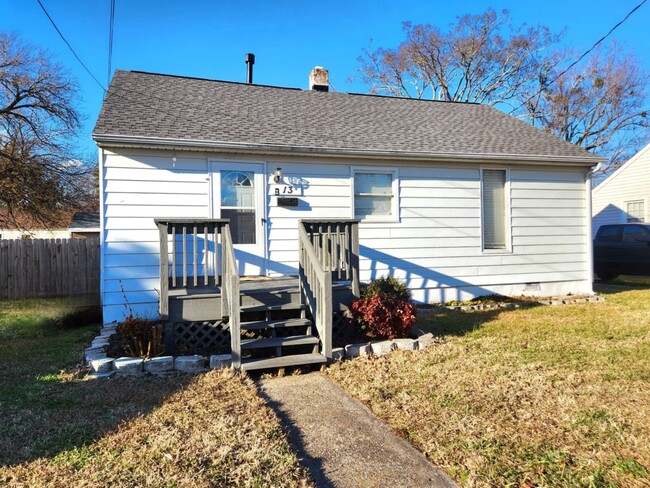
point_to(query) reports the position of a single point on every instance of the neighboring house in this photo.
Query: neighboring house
(459, 200)
(624, 196)
(25, 227)
(84, 225)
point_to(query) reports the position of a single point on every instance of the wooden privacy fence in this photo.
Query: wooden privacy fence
(33, 268)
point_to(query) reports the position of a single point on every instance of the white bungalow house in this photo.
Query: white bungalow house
(624, 196)
(458, 200)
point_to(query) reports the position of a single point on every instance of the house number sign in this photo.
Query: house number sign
(283, 190)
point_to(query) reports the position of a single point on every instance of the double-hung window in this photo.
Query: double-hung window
(635, 211)
(495, 209)
(375, 194)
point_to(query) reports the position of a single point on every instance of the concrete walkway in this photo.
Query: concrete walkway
(341, 442)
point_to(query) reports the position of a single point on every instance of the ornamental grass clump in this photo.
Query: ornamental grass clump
(140, 337)
(385, 309)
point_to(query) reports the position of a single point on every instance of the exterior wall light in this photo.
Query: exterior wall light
(277, 175)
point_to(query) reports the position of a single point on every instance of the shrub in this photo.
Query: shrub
(386, 285)
(141, 337)
(385, 316)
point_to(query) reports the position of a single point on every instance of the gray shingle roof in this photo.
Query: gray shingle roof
(85, 220)
(146, 106)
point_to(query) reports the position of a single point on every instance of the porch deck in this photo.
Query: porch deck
(272, 322)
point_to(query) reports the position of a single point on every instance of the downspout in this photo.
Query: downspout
(590, 244)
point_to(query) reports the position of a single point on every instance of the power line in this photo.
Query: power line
(110, 41)
(581, 57)
(69, 46)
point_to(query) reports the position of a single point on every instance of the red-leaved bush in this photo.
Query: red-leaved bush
(384, 316)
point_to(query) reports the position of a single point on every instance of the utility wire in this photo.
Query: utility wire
(111, 26)
(69, 46)
(581, 57)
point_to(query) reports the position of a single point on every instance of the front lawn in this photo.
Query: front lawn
(59, 430)
(542, 396)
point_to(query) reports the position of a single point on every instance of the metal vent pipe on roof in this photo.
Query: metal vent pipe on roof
(250, 61)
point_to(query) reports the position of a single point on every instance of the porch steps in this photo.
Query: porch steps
(273, 308)
(282, 361)
(275, 324)
(277, 334)
(297, 340)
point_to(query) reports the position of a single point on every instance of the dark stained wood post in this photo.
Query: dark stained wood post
(164, 270)
(354, 258)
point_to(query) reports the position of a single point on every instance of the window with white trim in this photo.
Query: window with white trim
(635, 211)
(494, 209)
(375, 194)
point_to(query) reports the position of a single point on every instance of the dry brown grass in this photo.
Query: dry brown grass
(535, 397)
(57, 430)
(215, 431)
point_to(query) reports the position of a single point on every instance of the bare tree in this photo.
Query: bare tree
(600, 105)
(482, 58)
(40, 174)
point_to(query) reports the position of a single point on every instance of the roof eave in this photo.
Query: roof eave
(112, 140)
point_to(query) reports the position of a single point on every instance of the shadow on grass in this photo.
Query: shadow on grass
(46, 406)
(622, 284)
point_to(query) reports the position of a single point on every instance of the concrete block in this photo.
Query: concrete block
(160, 364)
(423, 343)
(128, 366)
(357, 350)
(406, 344)
(97, 376)
(190, 364)
(90, 354)
(220, 361)
(104, 365)
(338, 354)
(107, 333)
(380, 348)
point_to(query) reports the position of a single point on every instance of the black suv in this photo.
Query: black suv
(622, 249)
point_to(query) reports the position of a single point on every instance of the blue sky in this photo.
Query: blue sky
(210, 38)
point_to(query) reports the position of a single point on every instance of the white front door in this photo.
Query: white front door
(239, 197)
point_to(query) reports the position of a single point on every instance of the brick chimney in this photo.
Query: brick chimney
(319, 79)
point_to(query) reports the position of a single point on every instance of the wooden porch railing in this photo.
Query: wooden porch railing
(189, 248)
(326, 250)
(230, 305)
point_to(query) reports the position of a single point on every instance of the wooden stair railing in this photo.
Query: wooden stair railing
(230, 295)
(327, 249)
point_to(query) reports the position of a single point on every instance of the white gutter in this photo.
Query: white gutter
(111, 140)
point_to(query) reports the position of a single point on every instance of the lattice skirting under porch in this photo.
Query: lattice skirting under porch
(197, 337)
(213, 337)
(342, 328)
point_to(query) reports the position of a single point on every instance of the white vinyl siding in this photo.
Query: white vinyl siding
(374, 196)
(494, 209)
(138, 188)
(436, 246)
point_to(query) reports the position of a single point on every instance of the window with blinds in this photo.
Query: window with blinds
(494, 209)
